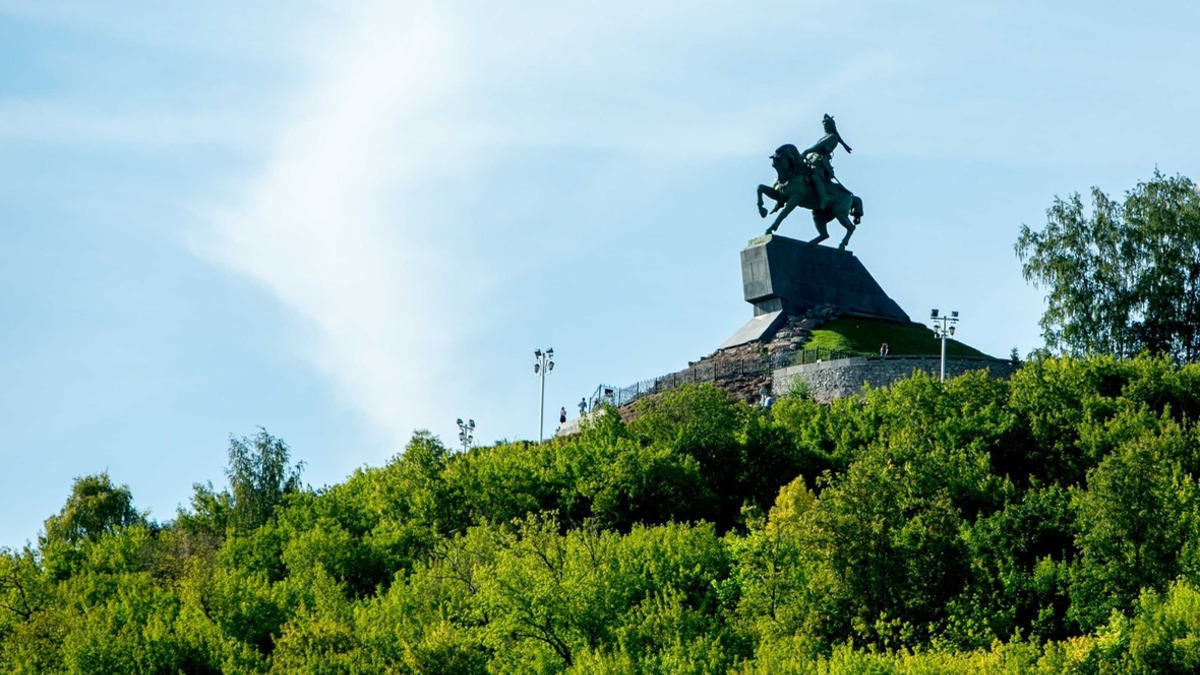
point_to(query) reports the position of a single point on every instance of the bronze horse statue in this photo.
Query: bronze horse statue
(795, 185)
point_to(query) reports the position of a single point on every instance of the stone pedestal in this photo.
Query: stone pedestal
(790, 276)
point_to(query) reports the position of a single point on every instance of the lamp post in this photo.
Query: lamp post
(543, 364)
(943, 327)
(466, 433)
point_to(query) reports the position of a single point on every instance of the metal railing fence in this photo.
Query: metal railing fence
(711, 371)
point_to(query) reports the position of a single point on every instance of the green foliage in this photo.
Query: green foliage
(95, 507)
(699, 420)
(649, 593)
(212, 512)
(1121, 277)
(130, 631)
(1165, 635)
(889, 555)
(259, 476)
(776, 567)
(702, 422)
(24, 588)
(1068, 409)
(1137, 513)
(1049, 524)
(768, 459)
(1018, 576)
(629, 483)
(827, 436)
(505, 483)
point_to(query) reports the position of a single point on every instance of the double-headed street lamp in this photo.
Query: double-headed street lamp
(542, 366)
(943, 327)
(466, 433)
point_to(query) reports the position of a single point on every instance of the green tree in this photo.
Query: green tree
(497, 484)
(1121, 277)
(1135, 517)
(1018, 571)
(1165, 635)
(627, 484)
(95, 507)
(129, 631)
(886, 537)
(776, 564)
(653, 594)
(703, 422)
(259, 476)
(23, 587)
(211, 513)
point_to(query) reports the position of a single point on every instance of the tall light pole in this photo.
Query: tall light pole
(542, 366)
(466, 433)
(943, 327)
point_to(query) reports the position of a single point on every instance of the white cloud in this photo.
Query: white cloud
(335, 227)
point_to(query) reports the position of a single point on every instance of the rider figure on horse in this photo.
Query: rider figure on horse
(805, 180)
(818, 159)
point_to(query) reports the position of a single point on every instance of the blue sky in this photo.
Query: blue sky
(344, 221)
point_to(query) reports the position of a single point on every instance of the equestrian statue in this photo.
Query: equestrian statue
(806, 179)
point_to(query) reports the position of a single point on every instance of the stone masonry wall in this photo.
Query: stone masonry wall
(845, 377)
(836, 379)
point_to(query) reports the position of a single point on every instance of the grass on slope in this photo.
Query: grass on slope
(864, 336)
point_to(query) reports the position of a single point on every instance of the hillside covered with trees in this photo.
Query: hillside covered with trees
(1048, 524)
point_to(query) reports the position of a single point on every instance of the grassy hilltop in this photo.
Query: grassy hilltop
(1045, 524)
(853, 334)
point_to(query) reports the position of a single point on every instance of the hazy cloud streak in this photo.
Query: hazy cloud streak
(326, 225)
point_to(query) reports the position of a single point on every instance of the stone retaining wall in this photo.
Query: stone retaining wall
(839, 378)
(831, 380)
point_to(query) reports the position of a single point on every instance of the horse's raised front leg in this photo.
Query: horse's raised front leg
(773, 194)
(788, 208)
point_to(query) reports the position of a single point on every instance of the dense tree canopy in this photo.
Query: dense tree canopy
(1050, 524)
(1120, 277)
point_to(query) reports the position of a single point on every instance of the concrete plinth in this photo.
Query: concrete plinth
(758, 329)
(791, 276)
